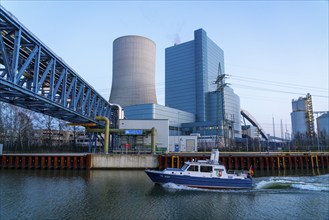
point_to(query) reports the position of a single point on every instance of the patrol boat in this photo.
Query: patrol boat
(209, 174)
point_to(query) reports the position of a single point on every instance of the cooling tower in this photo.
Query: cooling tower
(133, 80)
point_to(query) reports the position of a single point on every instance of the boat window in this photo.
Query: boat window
(184, 167)
(193, 168)
(206, 169)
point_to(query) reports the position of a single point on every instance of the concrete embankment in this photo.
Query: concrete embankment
(124, 161)
(78, 161)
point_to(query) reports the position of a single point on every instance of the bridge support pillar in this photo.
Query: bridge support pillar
(106, 132)
(153, 141)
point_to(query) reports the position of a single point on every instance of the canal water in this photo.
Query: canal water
(118, 194)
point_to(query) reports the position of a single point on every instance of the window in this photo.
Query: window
(206, 169)
(184, 167)
(193, 168)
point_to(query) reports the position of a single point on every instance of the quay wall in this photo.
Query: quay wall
(259, 161)
(78, 161)
(124, 161)
(232, 161)
(45, 161)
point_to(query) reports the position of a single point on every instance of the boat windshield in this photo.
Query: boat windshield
(184, 167)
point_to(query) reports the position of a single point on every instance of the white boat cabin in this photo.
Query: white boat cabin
(206, 169)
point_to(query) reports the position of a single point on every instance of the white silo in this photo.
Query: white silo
(323, 125)
(302, 120)
(298, 122)
(133, 80)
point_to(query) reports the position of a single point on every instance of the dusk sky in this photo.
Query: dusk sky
(275, 51)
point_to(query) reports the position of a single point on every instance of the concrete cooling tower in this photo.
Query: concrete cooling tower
(133, 79)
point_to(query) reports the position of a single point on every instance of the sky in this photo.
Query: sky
(275, 51)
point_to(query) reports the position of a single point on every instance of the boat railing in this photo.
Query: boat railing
(203, 161)
(237, 172)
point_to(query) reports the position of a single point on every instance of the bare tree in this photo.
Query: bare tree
(49, 128)
(23, 129)
(62, 140)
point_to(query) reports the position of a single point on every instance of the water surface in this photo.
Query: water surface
(103, 194)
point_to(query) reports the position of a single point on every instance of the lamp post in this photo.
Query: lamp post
(178, 125)
(317, 137)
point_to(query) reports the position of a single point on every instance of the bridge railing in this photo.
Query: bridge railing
(34, 77)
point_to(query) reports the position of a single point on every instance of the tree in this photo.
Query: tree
(49, 127)
(24, 130)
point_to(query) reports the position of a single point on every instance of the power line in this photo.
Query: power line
(276, 83)
(276, 90)
(266, 71)
(280, 84)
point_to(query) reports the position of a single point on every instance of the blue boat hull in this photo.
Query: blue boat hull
(199, 182)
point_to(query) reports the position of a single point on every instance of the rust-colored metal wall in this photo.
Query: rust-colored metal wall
(260, 162)
(45, 161)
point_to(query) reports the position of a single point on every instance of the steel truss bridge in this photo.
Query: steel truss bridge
(34, 77)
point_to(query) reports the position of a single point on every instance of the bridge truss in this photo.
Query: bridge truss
(253, 121)
(35, 78)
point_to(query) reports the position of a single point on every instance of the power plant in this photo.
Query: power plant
(200, 112)
(194, 103)
(133, 79)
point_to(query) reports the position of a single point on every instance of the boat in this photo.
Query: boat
(209, 174)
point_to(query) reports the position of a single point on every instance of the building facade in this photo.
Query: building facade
(175, 117)
(162, 133)
(191, 70)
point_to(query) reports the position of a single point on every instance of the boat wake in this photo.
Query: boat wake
(172, 187)
(175, 187)
(297, 183)
(315, 183)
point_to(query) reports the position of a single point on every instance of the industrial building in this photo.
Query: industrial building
(149, 113)
(138, 134)
(137, 138)
(196, 108)
(133, 88)
(153, 111)
(191, 70)
(302, 119)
